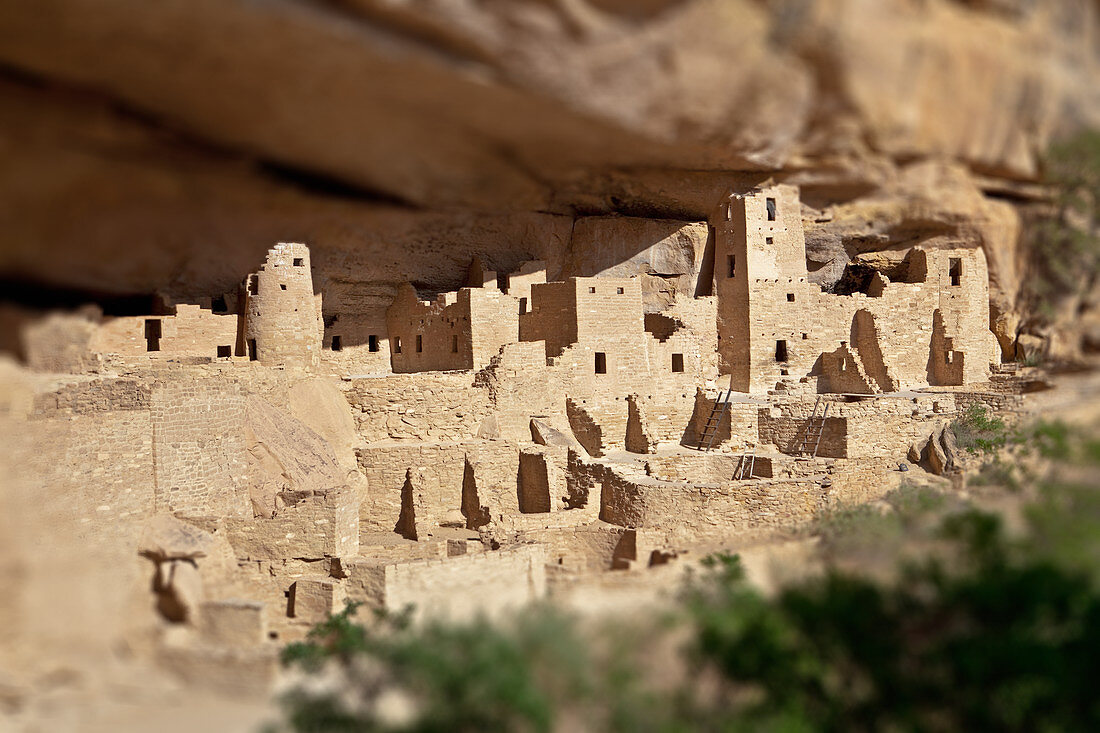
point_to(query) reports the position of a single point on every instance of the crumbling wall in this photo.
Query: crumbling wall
(198, 445)
(429, 406)
(459, 331)
(323, 523)
(438, 479)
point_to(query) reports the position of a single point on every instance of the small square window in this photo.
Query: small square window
(282, 286)
(769, 240)
(677, 362)
(805, 336)
(619, 291)
(299, 261)
(372, 343)
(790, 297)
(224, 352)
(592, 290)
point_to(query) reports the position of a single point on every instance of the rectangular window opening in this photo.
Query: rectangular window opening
(805, 336)
(781, 351)
(419, 343)
(677, 362)
(592, 290)
(619, 291)
(790, 297)
(337, 343)
(956, 271)
(948, 357)
(731, 265)
(254, 285)
(769, 240)
(771, 209)
(454, 343)
(252, 350)
(522, 306)
(224, 352)
(397, 344)
(372, 343)
(299, 261)
(282, 286)
(601, 362)
(218, 304)
(152, 334)
(843, 364)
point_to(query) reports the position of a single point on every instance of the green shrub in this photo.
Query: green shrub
(995, 642)
(976, 431)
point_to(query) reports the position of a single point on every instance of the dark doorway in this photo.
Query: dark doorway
(956, 271)
(522, 306)
(771, 209)
(337, 343)
(677, 362)
(372, 343)
(152, 334)
(252, 349)
(781, 351)
(601, 362)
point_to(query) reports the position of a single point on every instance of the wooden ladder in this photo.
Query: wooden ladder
(746, 466)
(710, 427)
(814, 428)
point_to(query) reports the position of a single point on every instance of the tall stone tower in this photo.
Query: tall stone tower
(758, 238)
(282, 315)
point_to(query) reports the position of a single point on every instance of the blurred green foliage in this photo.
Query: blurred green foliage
(1065, 248)
(976, 431)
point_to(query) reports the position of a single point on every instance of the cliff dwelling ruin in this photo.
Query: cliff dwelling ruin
(468, 451)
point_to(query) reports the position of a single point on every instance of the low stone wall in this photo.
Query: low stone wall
(324, 524)
(695, 512)
(455, 588)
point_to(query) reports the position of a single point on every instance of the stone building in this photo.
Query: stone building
(918, 321)
(462, 330)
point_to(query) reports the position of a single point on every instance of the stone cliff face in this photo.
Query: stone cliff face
(166, 145)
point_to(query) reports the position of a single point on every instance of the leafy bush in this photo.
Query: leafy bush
(979, 432)
(998, 642)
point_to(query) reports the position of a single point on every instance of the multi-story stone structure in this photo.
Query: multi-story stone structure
(924, 321)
